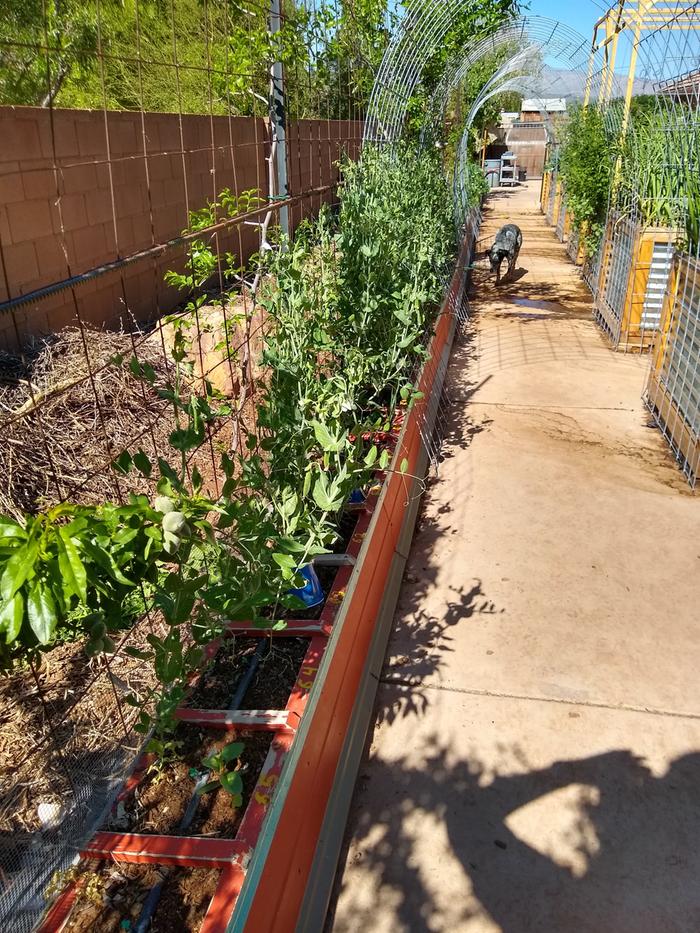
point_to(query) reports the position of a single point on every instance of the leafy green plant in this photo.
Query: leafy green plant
(72, 568)
(223, 768)
(350, 305)
(586, 164)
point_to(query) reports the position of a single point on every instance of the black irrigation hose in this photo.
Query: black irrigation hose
(154, 895)
(153, 251)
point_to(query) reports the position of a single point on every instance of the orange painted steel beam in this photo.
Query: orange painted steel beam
(59, 911)
(276, 902)
(294, 628)
(227, 890)
(195, 851)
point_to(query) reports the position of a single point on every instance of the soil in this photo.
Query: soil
(218, 684)
(346, 529)
(160, 800)
(114, 895)
(272, 682)
(276, 674)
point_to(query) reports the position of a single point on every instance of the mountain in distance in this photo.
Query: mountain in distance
(562, 82)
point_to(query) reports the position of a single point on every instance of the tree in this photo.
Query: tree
(470, 23)
(44, 47)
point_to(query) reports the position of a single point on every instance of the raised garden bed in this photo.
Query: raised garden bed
(144, 823)
(158, 802)
(110, 898)
(276, 852)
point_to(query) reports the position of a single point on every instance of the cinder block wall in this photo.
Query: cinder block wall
(82, 188)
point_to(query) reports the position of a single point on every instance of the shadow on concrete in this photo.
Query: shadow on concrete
(630, 863)
(428, 609)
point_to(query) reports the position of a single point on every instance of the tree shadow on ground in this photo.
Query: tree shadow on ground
(627, 862)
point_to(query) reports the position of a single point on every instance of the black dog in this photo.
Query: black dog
(507, 245)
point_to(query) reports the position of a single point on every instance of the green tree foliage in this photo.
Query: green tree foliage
(190, 56)
(471, 22)
(348, 62)
(29, 74)
(193, 56)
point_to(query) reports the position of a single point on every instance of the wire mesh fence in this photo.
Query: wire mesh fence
(137, 136)
(673, 388)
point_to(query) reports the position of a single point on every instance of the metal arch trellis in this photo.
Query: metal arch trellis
(422, 31)
(543, 35)
(463, 164)
(529, 38)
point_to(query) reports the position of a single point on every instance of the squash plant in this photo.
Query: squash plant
(222, 771)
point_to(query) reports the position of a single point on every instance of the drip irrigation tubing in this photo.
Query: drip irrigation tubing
(154, 895)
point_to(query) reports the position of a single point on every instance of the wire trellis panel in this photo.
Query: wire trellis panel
(561, 219)
(105, 159)
(673, 389)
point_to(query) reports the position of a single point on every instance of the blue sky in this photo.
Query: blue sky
(579, 14)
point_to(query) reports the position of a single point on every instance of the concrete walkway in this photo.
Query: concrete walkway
(535, 766)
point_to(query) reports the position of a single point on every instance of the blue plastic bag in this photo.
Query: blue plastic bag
(311, 594)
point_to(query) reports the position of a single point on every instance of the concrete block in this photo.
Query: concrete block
(21, 267)
(29, 219)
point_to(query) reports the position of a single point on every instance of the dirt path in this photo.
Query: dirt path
(536, 761)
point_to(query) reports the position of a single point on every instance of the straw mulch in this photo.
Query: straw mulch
(71, 404)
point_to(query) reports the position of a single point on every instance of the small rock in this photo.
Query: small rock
(49, 814)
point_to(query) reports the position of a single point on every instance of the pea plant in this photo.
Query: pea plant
(350, 303)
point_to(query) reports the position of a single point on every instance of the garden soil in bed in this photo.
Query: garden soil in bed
(276, 674)
(159, 801)
(115, 894)
(272, 682)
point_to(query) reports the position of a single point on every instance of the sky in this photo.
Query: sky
(579, 14)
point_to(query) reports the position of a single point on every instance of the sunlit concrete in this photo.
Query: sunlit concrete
(536, 761)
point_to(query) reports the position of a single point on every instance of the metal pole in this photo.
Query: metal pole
(278, 121)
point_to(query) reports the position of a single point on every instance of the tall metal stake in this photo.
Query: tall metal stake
(278, 153)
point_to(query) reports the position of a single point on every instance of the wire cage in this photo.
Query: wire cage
(673, 388)
(573, 244)
(563, 219)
